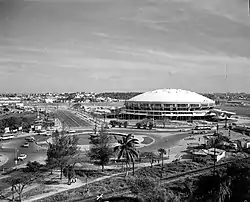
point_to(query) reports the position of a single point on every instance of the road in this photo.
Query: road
(13, 148)
(71, 120)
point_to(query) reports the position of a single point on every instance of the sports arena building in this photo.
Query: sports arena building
(168, 103)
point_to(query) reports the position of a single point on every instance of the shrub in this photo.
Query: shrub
(33, 166)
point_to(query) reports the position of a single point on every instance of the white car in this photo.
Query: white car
(30, 139)
(21, 157)
(26, 145)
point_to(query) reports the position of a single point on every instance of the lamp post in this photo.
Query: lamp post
(15, 157)
(214, 156)
(1, 144)
(95, 124)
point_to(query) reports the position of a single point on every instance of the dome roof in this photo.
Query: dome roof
(171, 96)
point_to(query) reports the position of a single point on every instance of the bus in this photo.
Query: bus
(7, 136)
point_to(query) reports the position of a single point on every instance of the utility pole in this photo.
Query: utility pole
(214, 157)
(15, 157)
(95, 124)
(248, 8)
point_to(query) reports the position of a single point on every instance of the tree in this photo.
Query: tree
(150, 125)
(62, 149)
(138, 125)
(51, 164)
(212, 188)
(101, 150)
(162, 152)
(125, 124)
(19, 181)
(32, 166)
(239, 173)
(126, 149)
(70, 167)
(150, 155)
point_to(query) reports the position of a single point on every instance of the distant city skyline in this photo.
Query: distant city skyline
(124, 45)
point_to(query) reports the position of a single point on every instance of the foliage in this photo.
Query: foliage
(13, 122)
(33, 166)
(63, 150)
(127, 150)
(212, 187)
(162, 152)
(217, 141)
(148, 190)
(101, 149)
(19, 181)
(150, 125)
(239, 173)
(115, 123)
(138, 125)
(141, 185)
(149, 155)
(51, 163)
(125, 124)
(232, 184)
(119, 95)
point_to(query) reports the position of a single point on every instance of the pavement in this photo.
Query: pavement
(3, 159)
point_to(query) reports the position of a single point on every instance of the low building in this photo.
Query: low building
(218, 153)
(247, 145)
(213, 152)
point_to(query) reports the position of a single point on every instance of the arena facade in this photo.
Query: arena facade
(173, 104)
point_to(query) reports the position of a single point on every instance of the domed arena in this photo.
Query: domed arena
(168, 103)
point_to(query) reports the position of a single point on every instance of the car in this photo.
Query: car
(43, 133)
(30, 139)
(47, 134)
(21, 157)
(26, 145)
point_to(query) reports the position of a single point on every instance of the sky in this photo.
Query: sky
(124, 45)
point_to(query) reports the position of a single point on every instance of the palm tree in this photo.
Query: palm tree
(162, 152)
(126, 149)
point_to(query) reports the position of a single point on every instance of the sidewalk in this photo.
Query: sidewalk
(3, 159)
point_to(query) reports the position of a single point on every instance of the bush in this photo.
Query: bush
(33, 166)
(125, 124)
(138, 125)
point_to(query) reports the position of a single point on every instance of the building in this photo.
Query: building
(5, 101)
(215, 153)
(168, 103)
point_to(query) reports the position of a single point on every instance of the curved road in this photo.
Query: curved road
(13, 148)
(72, 120)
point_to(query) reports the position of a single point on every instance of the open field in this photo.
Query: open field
(239, 110)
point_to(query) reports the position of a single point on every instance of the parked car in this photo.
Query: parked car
(22, 157)
(26, 145)
(30, 139)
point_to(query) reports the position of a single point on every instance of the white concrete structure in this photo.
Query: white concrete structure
(247, 145)
(10, 100)
(219, 154)
(171, 103)
(214, 152)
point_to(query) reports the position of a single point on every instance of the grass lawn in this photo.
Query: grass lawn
(147, 140)
(239, 110)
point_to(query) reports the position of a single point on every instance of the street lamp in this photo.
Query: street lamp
(15, 157)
